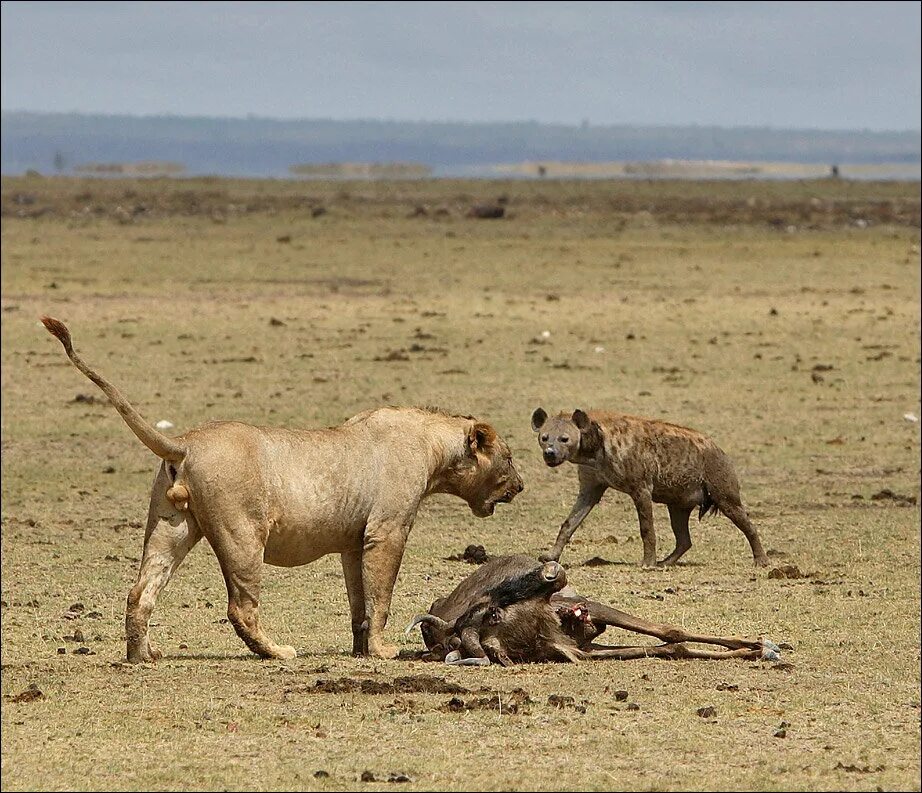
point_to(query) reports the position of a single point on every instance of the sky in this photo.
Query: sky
(805, 65)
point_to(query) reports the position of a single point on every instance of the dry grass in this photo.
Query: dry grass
(721, 327)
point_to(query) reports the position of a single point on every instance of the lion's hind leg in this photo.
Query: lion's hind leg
(171, 534)
(240, 555)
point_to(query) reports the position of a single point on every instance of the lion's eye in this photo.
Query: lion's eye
(564, 438)
(544, 438)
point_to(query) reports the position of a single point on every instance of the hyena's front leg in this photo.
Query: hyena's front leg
(589, 496)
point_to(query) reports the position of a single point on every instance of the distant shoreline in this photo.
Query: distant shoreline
(544, 170)
(265, 148)
(709, 169)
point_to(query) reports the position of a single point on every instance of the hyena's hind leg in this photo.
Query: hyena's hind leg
(737, 513)
(679, 516)
(724, 489)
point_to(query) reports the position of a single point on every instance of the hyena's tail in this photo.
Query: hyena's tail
(707, 506)
(164, 447)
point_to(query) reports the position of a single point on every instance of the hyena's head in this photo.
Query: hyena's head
(563, 437)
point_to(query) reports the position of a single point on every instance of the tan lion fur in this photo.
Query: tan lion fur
(287, 497)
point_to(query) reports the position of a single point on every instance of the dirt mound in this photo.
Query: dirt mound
(510, 703)
(415, 684)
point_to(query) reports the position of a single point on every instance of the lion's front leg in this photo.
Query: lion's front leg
(382, 552)
(352, 572)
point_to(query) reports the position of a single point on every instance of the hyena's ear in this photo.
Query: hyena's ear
(590, 434)
(480, 436)
(538, 418)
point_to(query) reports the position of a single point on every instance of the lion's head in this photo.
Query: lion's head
(485, 475)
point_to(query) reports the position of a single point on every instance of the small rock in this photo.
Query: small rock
(786, 571)
(784, 666)
(620, 695)
(596, 561)
(708, 712)
(321, 774)
(398, 778)
(163, 424)
(888, 495)
(367, 776)
(31, 694)
(473, 554)
(486, 211)
(455, 705)
(276, 323)
(87, 399)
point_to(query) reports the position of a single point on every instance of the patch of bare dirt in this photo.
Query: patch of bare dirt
(414, 684)
(888, 495)
(31, 694)
(787, 571)
(510, 703)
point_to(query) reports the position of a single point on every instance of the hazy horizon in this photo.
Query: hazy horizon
(447, 121)
(800, 66)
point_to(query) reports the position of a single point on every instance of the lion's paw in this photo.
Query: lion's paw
(285, 652)
(387, 651)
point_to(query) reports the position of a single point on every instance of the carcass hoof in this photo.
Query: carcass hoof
(770, 651)
(454, 659)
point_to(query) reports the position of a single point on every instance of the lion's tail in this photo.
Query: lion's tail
(164, 447)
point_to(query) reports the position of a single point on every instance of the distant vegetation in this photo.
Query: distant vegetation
(366, 170)
(130, 168)
(54, 142)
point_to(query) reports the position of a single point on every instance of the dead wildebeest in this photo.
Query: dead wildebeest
(514, 609)
(651, 461)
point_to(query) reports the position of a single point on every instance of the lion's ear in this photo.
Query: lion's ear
(538, 418)
(581, 419)
(480, 437)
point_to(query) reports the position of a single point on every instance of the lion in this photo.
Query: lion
(287, 497)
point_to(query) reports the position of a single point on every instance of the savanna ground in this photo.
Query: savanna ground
(781, 318)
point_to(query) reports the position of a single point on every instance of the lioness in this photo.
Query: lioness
(288, 497)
